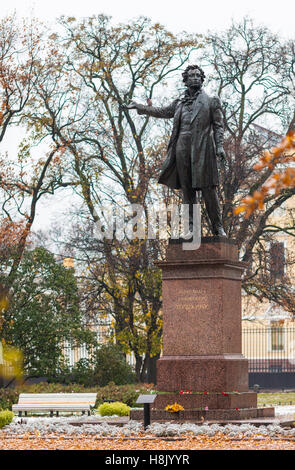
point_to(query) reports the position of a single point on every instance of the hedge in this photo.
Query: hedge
(127, 394)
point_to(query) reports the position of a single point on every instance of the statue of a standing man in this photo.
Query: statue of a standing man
(195, 144)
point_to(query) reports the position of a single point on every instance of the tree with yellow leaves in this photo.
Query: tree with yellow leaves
(282, 155)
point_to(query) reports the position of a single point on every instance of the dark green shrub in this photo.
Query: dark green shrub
(55, 388)
(81, 373)
(107, 365)
(6, 416)
(110, 366)
(124, 393)
(8, 397)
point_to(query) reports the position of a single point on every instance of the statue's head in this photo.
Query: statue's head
(193, 73)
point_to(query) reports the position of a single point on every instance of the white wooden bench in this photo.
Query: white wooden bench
(54, 402)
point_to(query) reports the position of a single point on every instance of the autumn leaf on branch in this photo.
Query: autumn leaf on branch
(278, 181)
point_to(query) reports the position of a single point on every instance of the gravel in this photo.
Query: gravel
(62, 425)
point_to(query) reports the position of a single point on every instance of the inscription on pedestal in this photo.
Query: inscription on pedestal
(190, 299)
(192, 317)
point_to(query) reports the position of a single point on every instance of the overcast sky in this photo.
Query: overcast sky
(191, 15)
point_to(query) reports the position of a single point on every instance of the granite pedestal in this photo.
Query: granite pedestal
(202, 367)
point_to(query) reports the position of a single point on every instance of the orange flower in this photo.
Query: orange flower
(174, 408)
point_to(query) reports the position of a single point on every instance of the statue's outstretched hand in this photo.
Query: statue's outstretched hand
(132, 105)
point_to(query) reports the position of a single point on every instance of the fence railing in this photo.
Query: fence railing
(269, 349)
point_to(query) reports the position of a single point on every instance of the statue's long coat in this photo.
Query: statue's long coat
(207, 134)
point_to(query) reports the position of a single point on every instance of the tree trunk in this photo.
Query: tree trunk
(138, 364)
(151, 373)
(149, 370)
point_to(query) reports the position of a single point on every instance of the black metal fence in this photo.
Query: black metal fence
(270, 352)
(269, 349)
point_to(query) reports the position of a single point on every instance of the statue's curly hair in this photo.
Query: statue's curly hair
(192, 67)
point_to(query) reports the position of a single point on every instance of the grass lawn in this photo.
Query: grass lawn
(276, 399)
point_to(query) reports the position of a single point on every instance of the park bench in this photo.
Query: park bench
(54, 402)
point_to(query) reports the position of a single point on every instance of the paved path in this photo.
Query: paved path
(284, 410)
(285, 413)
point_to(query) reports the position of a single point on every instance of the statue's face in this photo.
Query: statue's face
(194, 78)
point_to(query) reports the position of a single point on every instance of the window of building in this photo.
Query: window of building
(83, 352)
(70, 353)
(277, 336)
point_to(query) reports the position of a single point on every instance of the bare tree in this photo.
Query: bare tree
(112, 155)
(254, 79)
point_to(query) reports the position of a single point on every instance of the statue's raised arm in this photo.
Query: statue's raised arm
(165, 112)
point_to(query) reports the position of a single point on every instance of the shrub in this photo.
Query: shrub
(81, 373)
(54, 388)
(117, 408)
(8, 397)
(6, 416)
(110, 366)
(122, 393)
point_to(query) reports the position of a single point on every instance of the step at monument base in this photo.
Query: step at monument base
(211, 400)
(199, 416)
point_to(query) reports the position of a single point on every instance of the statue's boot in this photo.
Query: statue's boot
(214, 211)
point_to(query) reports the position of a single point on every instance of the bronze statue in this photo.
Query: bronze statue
(195, 144)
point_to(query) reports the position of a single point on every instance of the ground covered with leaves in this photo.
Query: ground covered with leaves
(202, 442)
(69, 434)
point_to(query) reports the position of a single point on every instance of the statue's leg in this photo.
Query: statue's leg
(213, 210)
(183, 164)
(189, 197)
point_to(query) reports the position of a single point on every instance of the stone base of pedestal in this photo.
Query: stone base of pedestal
(218, 373)
(212, 401)
(201, 406)
(198, 416)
